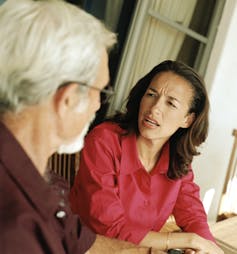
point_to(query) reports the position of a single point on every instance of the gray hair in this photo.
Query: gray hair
(44, 44)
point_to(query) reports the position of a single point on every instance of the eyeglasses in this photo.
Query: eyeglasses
(105, 93)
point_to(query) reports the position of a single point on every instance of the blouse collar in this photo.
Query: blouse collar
(131, 162)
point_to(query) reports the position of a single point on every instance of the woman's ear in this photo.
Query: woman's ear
(65, 99)
(189, 119)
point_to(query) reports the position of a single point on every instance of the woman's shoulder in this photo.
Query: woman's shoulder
(107, 129)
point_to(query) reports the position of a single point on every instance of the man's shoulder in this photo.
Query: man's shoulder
(26, 229)
(13, 202)
(15, 212)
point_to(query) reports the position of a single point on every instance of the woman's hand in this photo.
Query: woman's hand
(190, 242)
(199, 245)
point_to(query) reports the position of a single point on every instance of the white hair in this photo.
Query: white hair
(44, 44)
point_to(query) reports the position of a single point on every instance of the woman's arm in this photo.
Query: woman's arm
(189, 212)
(95, 193)
(105, 245)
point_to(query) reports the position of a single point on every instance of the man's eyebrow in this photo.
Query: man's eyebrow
(108, 84)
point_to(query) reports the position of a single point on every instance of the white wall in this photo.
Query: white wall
(221, 78)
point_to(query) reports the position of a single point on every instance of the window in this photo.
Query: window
(166, 29)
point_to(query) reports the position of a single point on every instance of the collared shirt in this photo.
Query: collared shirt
(121, 199)
(35, 217)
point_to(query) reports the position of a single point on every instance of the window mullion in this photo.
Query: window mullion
(178, 26)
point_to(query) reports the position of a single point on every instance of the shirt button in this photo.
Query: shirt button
(61, 203)
(146, 202)
(60, 214)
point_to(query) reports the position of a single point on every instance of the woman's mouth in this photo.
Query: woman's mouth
(151, 122)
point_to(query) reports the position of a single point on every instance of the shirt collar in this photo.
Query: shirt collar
(162, 165)
(130, 160)
(22, 170)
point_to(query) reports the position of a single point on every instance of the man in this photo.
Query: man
(53, 66)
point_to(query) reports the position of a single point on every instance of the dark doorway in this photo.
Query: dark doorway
(116, 15)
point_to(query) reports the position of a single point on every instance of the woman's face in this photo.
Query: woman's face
(164, 107)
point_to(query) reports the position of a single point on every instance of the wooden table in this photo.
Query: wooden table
(225, 233)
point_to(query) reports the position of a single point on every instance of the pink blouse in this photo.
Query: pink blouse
(115, 196)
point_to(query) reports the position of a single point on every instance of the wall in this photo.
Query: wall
(221, 78)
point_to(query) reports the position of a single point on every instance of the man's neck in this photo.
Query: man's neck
(32, 131)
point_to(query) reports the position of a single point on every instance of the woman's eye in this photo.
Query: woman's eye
(172, 104)
(151, 94)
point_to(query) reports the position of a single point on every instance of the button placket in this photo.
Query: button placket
(61, 213)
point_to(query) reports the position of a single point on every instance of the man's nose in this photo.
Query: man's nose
(97, 104)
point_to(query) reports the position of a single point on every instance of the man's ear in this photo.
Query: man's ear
(188, 120)
(65, 99)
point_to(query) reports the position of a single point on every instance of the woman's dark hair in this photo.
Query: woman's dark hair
(184, 142)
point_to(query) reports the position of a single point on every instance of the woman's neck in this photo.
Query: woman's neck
(149, 152)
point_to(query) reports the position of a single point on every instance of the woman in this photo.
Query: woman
(135, 169)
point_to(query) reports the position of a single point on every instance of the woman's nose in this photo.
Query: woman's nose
(157, 106)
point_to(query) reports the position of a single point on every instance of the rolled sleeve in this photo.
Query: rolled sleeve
(189, 211)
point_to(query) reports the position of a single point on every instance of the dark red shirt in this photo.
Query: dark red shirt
(34, 215)
(123, 200)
